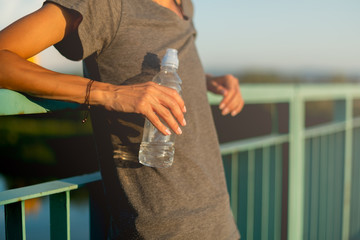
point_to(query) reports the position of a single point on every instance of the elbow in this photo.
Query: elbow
(5, 59)
(3, 53)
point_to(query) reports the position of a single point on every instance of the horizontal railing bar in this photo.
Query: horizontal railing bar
(328, 91)
(83, 179)
(324, 129)
(48, 188)
(34, 191)
(329, 128)
(253, 143)
(17, 104)
(278, 93)
(274, 139)
(261, 93)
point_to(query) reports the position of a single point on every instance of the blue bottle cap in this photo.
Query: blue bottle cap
(171, 58)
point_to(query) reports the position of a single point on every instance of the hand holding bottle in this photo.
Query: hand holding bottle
(154, 101)
(157, 149)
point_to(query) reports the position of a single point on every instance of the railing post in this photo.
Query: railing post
(251, 195)
(234, 184)
(278, 191)
(265, 205)
(347, 167)
(15, 221)
(296, 167)
(60, 216)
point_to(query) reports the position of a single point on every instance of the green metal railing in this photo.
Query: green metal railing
(318, 198)
(301, 184)
(59, 195)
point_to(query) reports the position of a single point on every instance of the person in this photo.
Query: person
(121, 43)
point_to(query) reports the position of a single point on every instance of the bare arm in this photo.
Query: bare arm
(49, 25)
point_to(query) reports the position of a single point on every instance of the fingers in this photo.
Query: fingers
(216, 88)
(154, 119)
(163, 106)
(171, 109)
(234, 107)
(232, 102)
(169, 120)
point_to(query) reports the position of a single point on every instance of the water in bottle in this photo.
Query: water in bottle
(156, 149)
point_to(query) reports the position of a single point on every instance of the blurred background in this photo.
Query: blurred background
(304, 39)
(257, 41)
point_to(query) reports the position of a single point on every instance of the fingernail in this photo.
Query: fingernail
(221, 106)
(184, 109)
(226, 111)
(233, 113)
(179, 131)
(168, 131)
(184, 122)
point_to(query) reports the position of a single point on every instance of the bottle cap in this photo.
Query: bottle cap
(171, 58)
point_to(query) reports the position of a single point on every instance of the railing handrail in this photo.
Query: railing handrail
(47, 188)
(17, 103)
(285, 92)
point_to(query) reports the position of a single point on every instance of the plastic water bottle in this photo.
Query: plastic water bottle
(156, 149)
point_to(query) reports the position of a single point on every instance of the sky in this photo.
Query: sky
(240, 35)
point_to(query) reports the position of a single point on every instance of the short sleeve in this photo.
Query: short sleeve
(100, 22)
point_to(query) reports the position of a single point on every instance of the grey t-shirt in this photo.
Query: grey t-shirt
(122, 42)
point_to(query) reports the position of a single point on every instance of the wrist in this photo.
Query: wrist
(99, 93)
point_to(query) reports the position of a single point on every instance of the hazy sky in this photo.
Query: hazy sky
(290, 36)
(282, 35)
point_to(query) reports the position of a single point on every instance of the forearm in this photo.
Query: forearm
(149, 99)
(20, 75)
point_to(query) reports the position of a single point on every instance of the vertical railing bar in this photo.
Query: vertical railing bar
(60, 216)
(251, 195)
(357, 223)
(356, 159)
(354, 200)
(265, 193)
(278, 191)
(336, 222)
(234, 183)
(296, 167)
(307, 186)
(339, 115)
(15, 221)
(274, 118)
(330, 189)
(23, 219)
(354, 207)
(314, 199)
(347, 168)
(339, 184)
(323, 187)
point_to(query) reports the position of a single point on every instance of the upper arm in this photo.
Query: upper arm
(39, 30)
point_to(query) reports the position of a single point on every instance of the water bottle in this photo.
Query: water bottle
(156, 149)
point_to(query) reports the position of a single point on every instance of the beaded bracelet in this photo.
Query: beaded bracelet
(87, 100)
